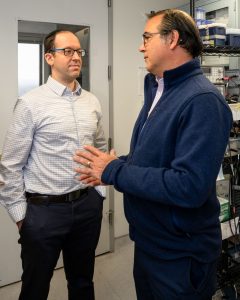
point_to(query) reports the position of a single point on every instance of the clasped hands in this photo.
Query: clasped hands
(93, 163)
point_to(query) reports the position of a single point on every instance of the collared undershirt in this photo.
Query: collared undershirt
(158, 93)
(157, 96)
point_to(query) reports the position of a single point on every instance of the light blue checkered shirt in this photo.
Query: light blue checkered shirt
(49, 124)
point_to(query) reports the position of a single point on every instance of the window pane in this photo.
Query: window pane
(28, 67)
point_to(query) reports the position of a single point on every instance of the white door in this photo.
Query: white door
(91, 13)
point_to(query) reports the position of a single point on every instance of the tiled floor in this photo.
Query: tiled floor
(113, 277)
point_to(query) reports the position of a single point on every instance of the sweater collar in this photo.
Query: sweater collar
(181, 73)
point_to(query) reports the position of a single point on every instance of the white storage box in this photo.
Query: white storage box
(212, 29)
(214, 40)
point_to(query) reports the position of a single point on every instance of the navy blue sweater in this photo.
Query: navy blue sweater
(169, 176)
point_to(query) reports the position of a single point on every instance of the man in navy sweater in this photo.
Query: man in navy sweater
(169, 176)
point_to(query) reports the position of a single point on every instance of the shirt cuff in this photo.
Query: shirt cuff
(18, 212)
(101, 190)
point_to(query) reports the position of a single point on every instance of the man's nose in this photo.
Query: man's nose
(76, 56)
(141, 47)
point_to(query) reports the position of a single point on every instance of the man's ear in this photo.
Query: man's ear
(174, 39)
(49, 58)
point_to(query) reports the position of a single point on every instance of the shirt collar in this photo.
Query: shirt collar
(61, 89)
(160, 81)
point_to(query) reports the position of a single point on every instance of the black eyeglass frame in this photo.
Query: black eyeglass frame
(69, 52)
(148, 35)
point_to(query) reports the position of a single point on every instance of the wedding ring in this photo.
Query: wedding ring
(89, 164)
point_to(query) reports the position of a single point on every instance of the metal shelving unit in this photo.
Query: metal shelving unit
(228, 279)
(228, 51)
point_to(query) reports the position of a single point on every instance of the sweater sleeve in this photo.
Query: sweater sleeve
(203, 130)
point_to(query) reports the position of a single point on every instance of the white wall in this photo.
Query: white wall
(128, 24)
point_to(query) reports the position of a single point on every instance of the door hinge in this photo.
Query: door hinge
(109, 72)
(109, 3)
(110, 217)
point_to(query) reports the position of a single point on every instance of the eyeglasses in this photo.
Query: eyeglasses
(70, 52)
(147, 36)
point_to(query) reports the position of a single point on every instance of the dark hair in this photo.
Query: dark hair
(183, 23)
(50, 39)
